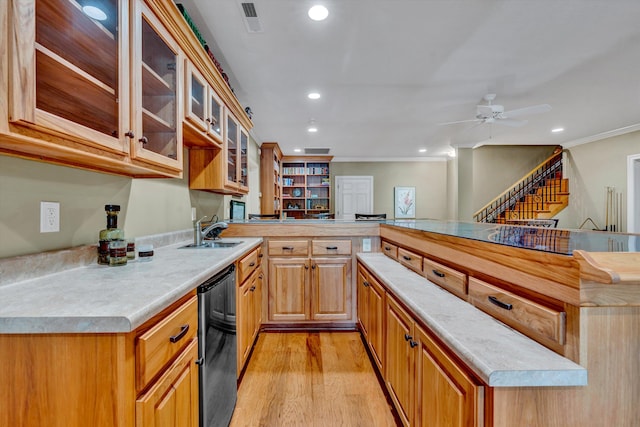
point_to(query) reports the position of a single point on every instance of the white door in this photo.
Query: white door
(354, 194)
(633, 193)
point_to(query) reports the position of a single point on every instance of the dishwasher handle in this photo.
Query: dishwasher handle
(217, 279)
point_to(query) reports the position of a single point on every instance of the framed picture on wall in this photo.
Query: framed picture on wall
(404, 202)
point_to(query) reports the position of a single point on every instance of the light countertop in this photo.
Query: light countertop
(103, 299)
(499, 355)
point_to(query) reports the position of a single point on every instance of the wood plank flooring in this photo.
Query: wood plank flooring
(319, 379)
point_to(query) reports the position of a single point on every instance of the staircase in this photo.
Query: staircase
(533, 200)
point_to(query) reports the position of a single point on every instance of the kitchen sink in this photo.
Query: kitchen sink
(211, 244)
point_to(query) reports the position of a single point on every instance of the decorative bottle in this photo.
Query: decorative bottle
(109, 234)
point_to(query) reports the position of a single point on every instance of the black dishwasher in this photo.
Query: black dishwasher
(217, 348)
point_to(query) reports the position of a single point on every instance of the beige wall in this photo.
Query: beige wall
(149, 206)
(429, 178)
(591, 168)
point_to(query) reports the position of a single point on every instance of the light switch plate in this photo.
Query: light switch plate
(49, 217)
(366, 245)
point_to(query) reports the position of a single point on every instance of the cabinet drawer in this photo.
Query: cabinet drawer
(525, 315)
(331, 247)
(160, 344)
(247, 265)
(410, 259)
(288, 247)
(390, 250)
(448, 278)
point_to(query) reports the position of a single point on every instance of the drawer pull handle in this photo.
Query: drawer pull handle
(407, 337)
(181, 334)
(408, 258)
(332, 248)
(387, 248)
(252, 264)
(438, 273)
(287, 248)
(496, 301)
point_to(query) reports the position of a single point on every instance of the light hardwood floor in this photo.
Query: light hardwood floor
(319, 379)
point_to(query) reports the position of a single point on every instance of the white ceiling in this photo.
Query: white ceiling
(390, 71)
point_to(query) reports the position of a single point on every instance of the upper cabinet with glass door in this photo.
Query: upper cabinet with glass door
(158, 70)
(203, 111)
(66, 80)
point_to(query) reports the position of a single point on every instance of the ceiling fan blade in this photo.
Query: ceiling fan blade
(526, 111)
(459, 121)
(510, 122)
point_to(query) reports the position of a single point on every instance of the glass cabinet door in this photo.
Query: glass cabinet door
(215, 116)
(232, 150)
(244, 169)
(196, 95)
(158, 138)
(76, 61)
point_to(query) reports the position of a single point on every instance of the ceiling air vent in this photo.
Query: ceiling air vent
(316, 150)
(251, 20)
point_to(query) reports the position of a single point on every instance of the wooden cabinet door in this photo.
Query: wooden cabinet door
(156, 108)
(173, 400)
(289, 289)
(331, 288)
(446, 396)
(244, 327)
(257, 306)
(376, 318)
(400, 361)
(363, 301)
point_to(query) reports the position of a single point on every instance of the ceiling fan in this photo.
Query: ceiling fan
(494, 113)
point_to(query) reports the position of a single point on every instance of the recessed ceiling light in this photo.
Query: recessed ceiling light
(312, 129)
(297, 150)
(556, 130)
(422, 150)
(314, 95)
(318, 13)
(94, 12)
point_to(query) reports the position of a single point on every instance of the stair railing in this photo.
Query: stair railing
(551, 168)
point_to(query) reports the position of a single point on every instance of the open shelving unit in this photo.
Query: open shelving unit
(306, 186)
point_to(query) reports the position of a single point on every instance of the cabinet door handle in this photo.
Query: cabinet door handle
(496, 301)
(306, 267)
(407, 258)
(180, 335)
(332, 248)
(260, 256)
(144, 140)
(407, 337)
(438, 273)
(413, 343)
(252, 264)
(366, 284)
(313, 267)
(130, 134)
(253, 288)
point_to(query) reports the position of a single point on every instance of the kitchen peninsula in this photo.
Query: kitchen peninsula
(425, 295)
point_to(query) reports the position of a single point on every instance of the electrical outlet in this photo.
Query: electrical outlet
(366, 245)
(49, 217)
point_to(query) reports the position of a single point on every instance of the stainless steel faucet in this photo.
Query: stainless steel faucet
(199, 233)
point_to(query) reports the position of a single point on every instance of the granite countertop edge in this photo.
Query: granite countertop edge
(102, 299)
(498, 354)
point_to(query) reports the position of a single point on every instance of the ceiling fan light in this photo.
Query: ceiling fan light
(318, 12)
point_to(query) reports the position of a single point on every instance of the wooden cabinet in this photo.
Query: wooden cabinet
(222, 171)
(101, 95)
(270, 178)
(306, 186)
(371, 314)
(173, 399)
(427, 386)
(203, 111)
(146, 377)
(249, 302)
(307, 282)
